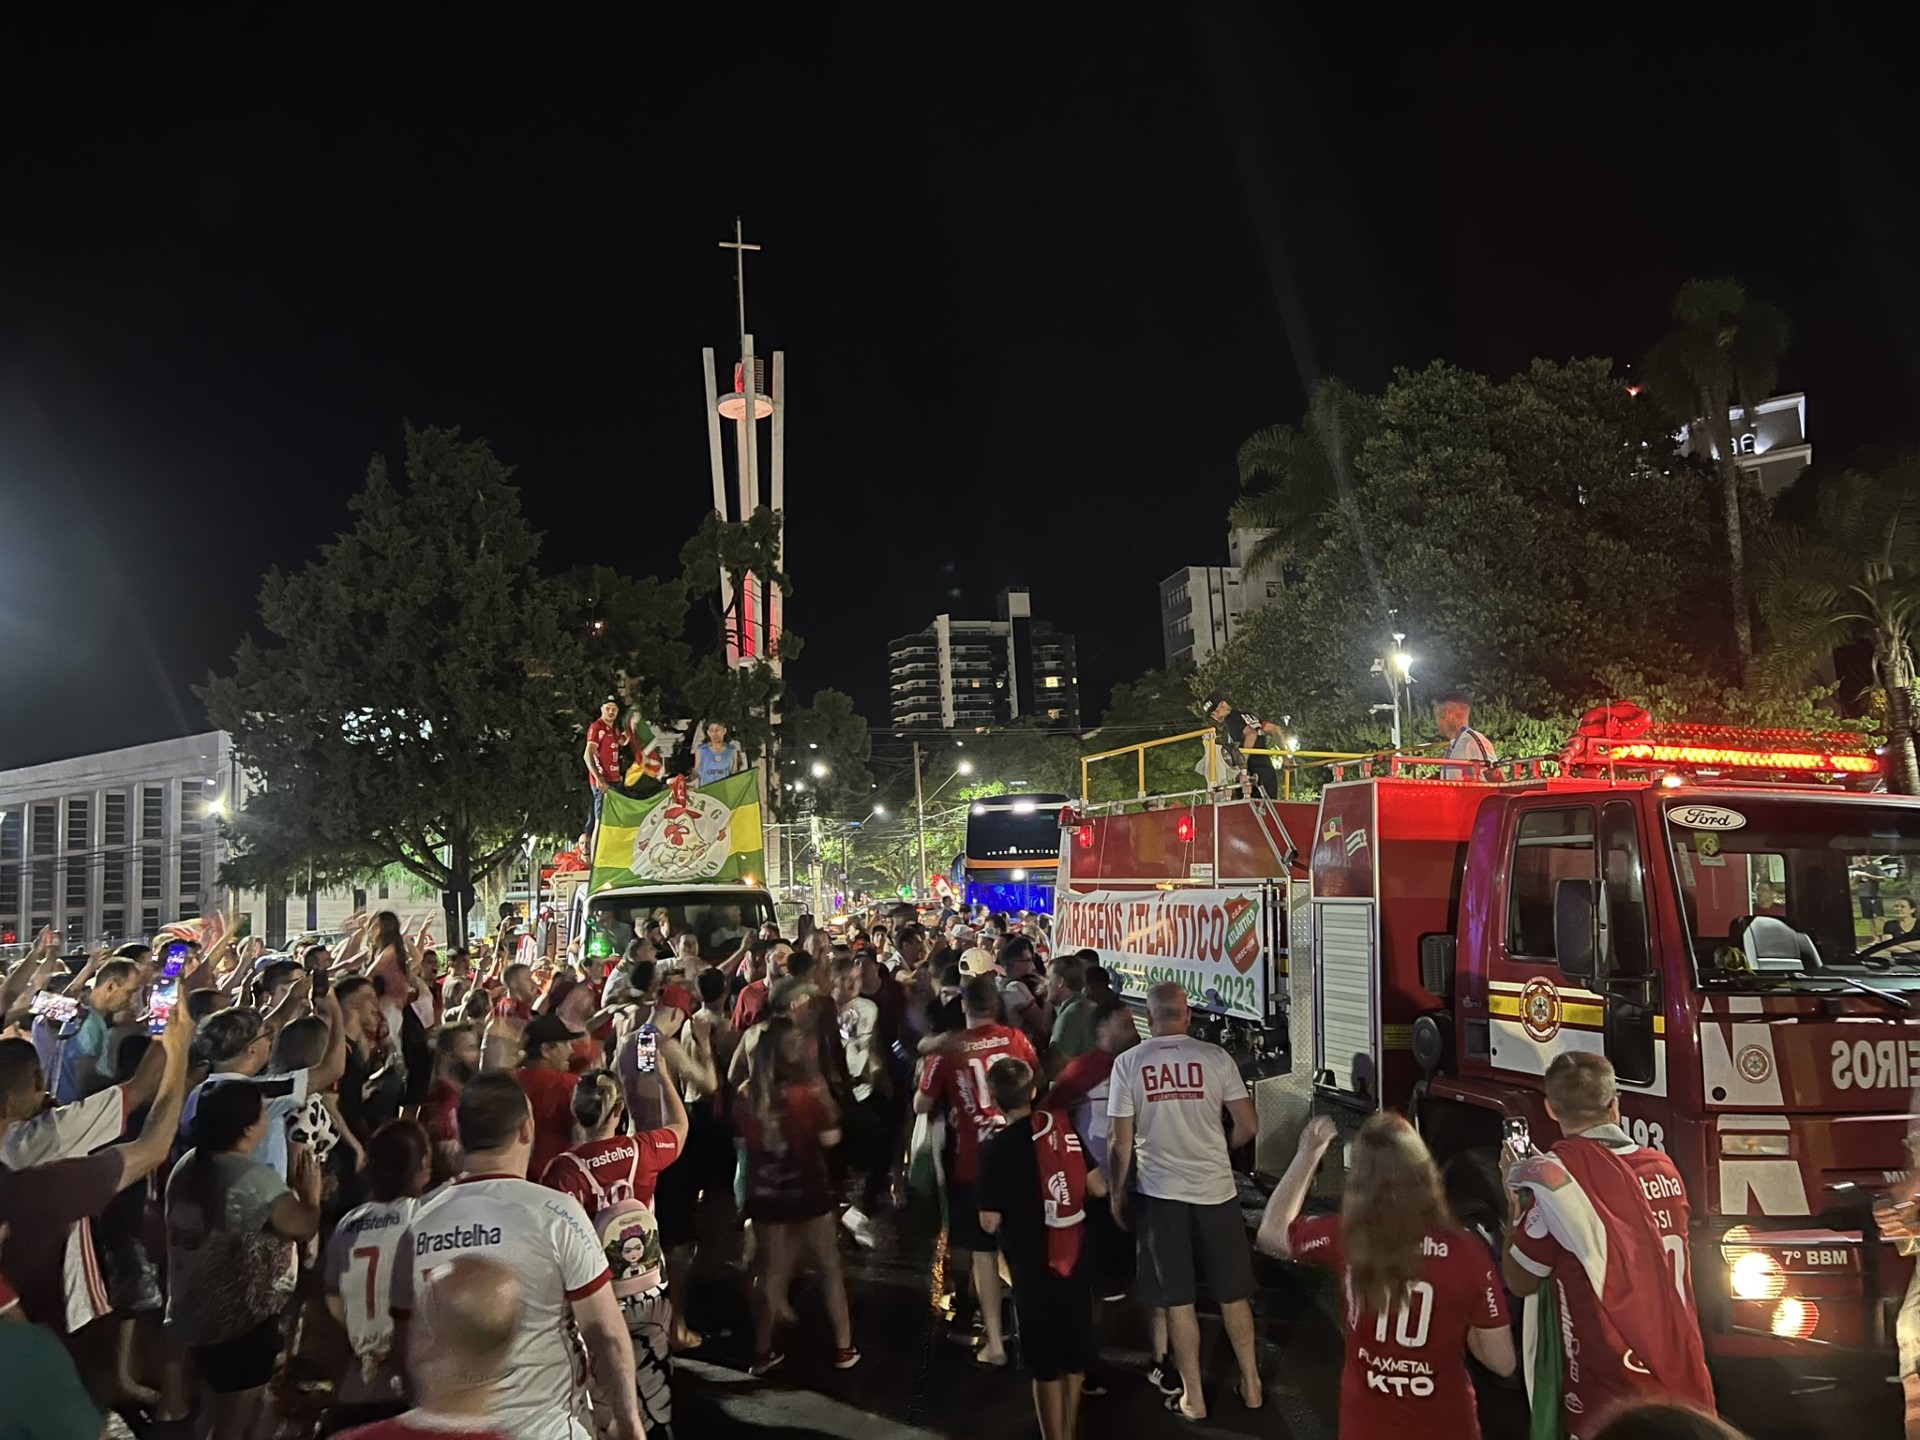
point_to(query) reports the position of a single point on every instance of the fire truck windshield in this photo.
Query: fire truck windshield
(1847, 876)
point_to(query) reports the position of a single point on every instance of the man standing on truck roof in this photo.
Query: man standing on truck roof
(1452, 713)
(1237, 733)
(1600, 1224)
(603, 759)
(1164, 1101)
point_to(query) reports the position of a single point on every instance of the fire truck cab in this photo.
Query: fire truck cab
(1729, 916)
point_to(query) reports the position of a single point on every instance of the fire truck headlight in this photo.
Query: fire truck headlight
(1795, 1319)
(1732, 1143)
(1756, 1275)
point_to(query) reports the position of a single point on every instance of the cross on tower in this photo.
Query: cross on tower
(739, 246)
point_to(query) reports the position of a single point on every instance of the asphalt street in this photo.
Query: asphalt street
(913, 1382)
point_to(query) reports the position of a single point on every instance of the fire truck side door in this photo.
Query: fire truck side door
(1627, 977)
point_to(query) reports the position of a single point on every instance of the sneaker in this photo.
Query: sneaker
(772, 1360)
(1165, 1378)
(860, 1227)
(845, 1359)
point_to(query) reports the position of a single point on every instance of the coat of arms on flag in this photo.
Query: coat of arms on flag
(682, 834)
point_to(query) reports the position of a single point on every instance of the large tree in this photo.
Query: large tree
(1299, 480)
(1527, 537)
(420, 694)
(1852, 579)
(825, 748)
(1723, 352)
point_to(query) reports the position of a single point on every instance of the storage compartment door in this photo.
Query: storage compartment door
(1346, 1013)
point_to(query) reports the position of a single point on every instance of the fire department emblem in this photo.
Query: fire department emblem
(1540, 1010)
(1754, 1064)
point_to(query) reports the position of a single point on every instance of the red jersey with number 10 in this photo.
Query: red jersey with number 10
(1607, 1231)
(958, 1076)
(1406, 1371)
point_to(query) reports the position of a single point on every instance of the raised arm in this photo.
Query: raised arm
(143, 1154)
(1283, 1205)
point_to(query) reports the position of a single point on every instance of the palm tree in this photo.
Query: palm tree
(1306, 471)
(1852, 580)
(1725, 352)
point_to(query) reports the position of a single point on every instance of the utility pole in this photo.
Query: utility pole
(919, 820)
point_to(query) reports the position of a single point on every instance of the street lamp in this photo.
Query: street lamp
(1396, 668)
(819, 769)
(965, 767)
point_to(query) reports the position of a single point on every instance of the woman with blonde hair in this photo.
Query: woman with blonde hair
(1420, 1291)
(787, 1122)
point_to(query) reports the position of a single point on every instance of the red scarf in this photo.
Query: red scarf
(1063, 1189)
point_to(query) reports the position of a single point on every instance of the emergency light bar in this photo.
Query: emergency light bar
(1627, 735)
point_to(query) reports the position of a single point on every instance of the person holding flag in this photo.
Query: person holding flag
(1599, 1254)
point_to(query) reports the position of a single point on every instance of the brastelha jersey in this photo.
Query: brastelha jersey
(360, 1262)
(546, 1240)
(1607, 1230)
(1406, 1371)
(958, 1075)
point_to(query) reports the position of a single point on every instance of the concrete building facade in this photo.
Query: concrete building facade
(974, 674)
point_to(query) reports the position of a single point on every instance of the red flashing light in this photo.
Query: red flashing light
(1083, 837)
(1183, 829)
(1807, 760)
(1623, 733)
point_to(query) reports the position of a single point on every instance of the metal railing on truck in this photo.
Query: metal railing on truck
(1293, 761)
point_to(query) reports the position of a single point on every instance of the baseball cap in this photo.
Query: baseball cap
(964, 934)
(979, 962)
(547, 1028)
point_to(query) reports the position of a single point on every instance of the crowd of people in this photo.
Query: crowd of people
(287, 1207)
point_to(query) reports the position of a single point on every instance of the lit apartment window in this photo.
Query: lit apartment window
(1051, 682)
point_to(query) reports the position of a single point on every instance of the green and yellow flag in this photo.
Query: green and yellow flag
(682, 835)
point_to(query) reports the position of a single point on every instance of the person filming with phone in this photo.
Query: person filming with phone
(1604, 1220)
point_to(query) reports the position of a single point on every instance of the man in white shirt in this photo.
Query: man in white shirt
(1164, 1101)
(1451, 714)
(492, 1212)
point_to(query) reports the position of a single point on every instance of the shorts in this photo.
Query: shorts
(676, 1204)
(1169, 1235)
(1906, 1328)
(963, 1222)
(243, 1363)
(1056, 1326)
(1108, 1261)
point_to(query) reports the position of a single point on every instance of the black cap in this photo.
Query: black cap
(547, 1028)
(1214, 702)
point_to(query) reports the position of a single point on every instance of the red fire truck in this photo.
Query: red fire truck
(1729, 916)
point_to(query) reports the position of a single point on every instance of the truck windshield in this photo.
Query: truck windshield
(720, 922)
(1845, 875)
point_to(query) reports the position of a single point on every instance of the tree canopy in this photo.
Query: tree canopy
(421, 694)
(827, 733)
(1537, 540)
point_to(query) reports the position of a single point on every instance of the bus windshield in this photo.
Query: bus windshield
(1014, 830)
(720, 922)
(1845, 875)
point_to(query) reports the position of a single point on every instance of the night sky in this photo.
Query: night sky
(1037, 272)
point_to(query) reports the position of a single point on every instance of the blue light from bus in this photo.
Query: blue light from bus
(1035, 899)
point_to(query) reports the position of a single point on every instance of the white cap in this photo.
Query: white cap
(979, 962)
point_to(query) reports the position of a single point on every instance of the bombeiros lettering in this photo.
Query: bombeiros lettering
(1876, 1064)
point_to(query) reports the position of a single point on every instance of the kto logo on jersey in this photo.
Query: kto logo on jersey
(1540, 1010)
(1754, 1064)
